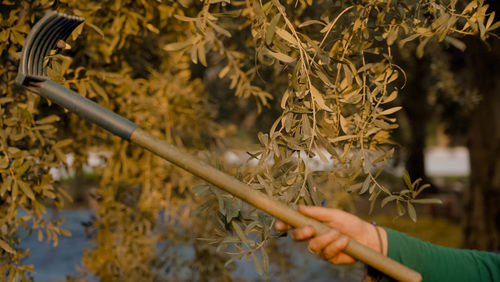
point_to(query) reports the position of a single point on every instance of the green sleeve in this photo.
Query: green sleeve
(437, 263)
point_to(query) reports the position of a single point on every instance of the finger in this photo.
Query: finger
(318, 244)
(321, 213)
(338, 219)
(281, 226)
(333, 250)
(303, 233)
(342, 258)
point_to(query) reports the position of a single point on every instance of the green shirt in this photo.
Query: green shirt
(437, 263)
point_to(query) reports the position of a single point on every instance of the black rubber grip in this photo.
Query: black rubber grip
(87, 109)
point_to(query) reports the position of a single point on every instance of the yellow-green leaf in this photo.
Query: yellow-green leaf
(455, 42)
(282, 57)
(201, 54)
(341, 138)
(494, 26)
(240, 233)
(421, 46)
(318, 99)
(427, 201)
(391, 97)
(258, 266)
(176, 46)
(224, 71)
(4, 162)
(63, 143)
(7, 247)
(184, 18)
(6, 186)
(49, 119)
(390, 111)
(287, 36)
(26, 189)
(411, 212)
(271, 29)
(392, 36)
(343, 124)
(406, 178)
(219, 29)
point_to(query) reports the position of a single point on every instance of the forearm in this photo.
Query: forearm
(437, 263)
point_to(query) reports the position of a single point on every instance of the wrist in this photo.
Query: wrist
(383, 239)
(376, 238)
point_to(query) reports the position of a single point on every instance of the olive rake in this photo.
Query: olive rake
(54, 27)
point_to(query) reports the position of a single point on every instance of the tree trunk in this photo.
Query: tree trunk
(417, 111)
(415, 105)
(481, 226)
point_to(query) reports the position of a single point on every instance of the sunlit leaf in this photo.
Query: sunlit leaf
(388, 199)
(176, 46)
(390, 111)
(286, 36)
(6, 247)
(282, 57)
(318, 99)
(406, 178)
(26, 189)
(411, 212)
(427, 201)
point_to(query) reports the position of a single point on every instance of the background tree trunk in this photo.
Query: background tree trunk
(416, 108)
(481, 226)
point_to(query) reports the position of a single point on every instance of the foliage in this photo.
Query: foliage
(338, 59)
(116, 64)
(29, 148)
(134, 57)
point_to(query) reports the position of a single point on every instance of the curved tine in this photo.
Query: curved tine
(31, 65)
(24, 61)
(57, 30)
(50, 43)
(33, 47)
(68, 26)
(49, 39)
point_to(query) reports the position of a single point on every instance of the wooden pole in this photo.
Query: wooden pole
(267, 204)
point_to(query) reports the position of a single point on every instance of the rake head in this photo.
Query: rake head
(42, 38)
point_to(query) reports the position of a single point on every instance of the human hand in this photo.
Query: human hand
(331, 244)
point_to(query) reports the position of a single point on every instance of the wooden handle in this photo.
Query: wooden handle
(267, 204)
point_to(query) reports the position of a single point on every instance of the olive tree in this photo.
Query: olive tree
(136, 58)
